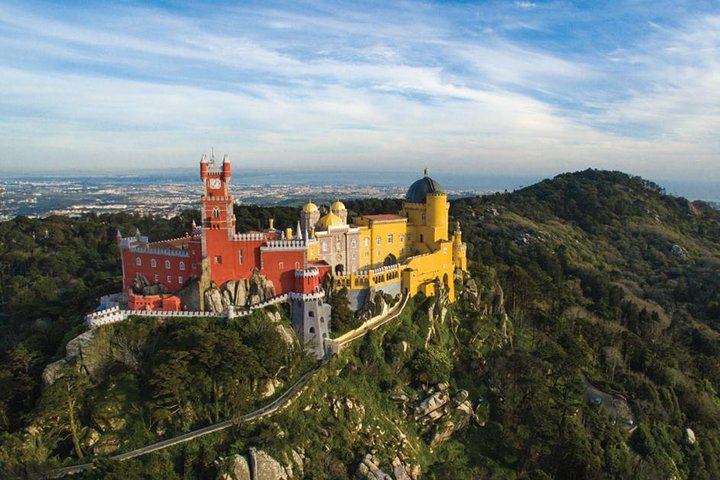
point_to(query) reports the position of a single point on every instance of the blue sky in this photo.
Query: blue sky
(499, 87)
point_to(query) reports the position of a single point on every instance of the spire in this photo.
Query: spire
(426, 172)
(137, 234)
(226, 158)
(203, 159)
(193, 226)
(299, 233)
(118, 234)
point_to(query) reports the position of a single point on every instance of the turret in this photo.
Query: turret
(226, 167)
(203, 167)
(459, 249)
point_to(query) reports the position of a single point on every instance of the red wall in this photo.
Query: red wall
(130, 267)
(282, 277)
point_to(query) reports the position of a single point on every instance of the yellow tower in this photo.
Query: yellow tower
(459, 249)
(426, 208)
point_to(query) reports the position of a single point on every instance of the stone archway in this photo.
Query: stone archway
(390, 260)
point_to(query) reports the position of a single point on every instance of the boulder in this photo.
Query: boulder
(370, 470)
(265, 467)
(434, 402)
(399, 471)
(238, 467)
(53, 371)
(79, 344)
(214, 300)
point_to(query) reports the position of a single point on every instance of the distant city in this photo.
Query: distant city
(164, 195)
(167, 195)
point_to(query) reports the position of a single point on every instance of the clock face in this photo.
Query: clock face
(214, 183)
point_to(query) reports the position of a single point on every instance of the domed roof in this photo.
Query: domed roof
(310, 207)
(338, 207)
(330, 220)
(419, 190)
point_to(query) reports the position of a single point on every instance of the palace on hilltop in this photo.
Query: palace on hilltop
(406, 252)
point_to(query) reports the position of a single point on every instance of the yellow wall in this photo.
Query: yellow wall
(379, 233)
(422, 271)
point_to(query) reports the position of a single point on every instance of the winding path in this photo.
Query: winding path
(282, 401)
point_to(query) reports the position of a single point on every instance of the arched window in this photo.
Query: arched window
(182, 265)
(167, 264)
(153, 263)
(216, 212)
(367, 242)
(138, 261)
(322, 319)
(312, 330)
(378, 240)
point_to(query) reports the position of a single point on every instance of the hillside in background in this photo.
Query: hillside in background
(584, 344)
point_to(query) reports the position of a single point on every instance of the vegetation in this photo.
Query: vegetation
(593, 274)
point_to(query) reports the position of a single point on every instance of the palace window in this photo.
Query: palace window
(444, 249)
(324, 247)
(312, 330)
(218, 259)
(354, 256)
(153, 263)
(169, 279)
(297, 265)
(240, 256)
(409, 237)
(424, 217)
(180, 280)
(353, 243)
(138, 261)
(367, 242)
(281, 265)
(167, 264)
(311, 314)
(390, 238)
(182, 265)
(421, 238)
(194, 266)
(216, 212)
(378, 240)
(157, 278)
(402, 238)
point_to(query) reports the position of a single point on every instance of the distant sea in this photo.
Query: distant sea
(703, 190)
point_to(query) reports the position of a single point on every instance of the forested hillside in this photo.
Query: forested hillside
(584, 344)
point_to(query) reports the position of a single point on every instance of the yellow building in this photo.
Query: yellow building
(412, 250)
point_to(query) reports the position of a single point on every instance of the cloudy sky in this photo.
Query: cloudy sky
(500, 87)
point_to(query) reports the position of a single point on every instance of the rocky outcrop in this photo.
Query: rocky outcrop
(141, 286)
(53, 371)
(442, 415)
(678, 252)
(240, 293)
(258, 465)
(265, 467)
(237, 468)
(214, 299)
(370, 470)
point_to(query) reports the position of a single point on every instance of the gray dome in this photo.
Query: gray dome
(419, 190)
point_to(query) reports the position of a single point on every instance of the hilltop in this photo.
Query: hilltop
(584, 345)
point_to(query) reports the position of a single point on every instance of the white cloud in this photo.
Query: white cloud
(282, 88)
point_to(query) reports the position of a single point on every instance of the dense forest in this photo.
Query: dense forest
(588, 278)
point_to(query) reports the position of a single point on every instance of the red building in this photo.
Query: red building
(213, 252)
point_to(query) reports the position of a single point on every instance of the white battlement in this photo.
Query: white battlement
(160, 251)
(115, 314)
(253, 237)
(285, 244)
(308, 272)
(306, 297)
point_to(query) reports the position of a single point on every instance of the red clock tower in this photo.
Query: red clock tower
(216, 202)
